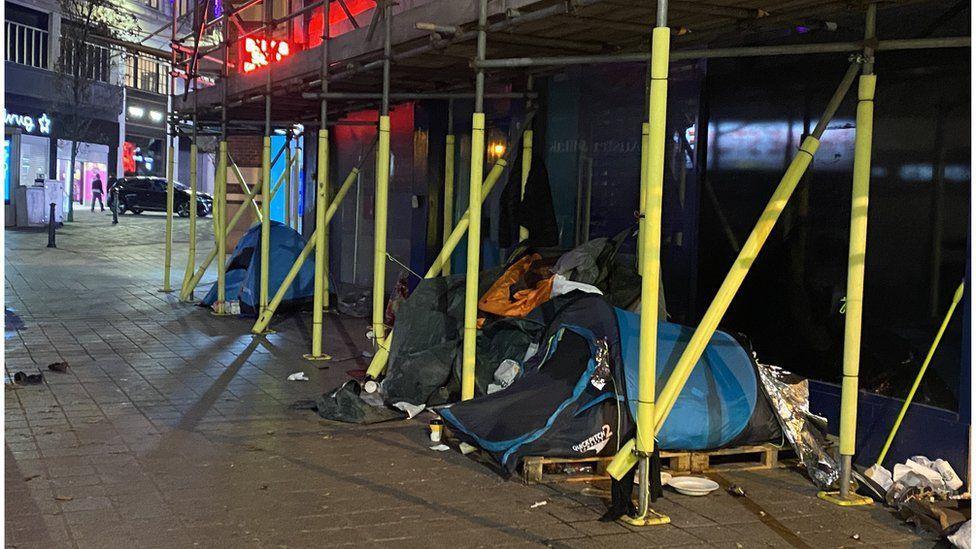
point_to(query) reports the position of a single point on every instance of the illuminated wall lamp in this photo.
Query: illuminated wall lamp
(136, 112)
(156, 116)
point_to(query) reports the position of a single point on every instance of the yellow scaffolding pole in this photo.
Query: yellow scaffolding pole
(321, 253)
(645, 130)
(474, 256)
(221, 250)
(624, 459)
(379, 238)
(378, 364)
(526, 168)
(265, 220)
(313, 243)
(185, 292)
(168, 258)
(854, 301)
(288, 189)
(448, 195)
(921, 373)
(652, 191)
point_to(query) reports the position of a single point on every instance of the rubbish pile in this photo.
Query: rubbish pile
(925, 493)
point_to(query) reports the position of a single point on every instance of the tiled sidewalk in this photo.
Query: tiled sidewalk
(172, 428)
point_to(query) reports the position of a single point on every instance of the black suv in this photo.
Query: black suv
(139, 194)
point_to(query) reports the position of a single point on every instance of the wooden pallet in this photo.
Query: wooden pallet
(537, 469)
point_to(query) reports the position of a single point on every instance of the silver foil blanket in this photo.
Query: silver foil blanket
(790, 396)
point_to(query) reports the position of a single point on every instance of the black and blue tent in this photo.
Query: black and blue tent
(243, 274)
(577, 395)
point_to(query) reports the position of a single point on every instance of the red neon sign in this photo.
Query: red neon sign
(260, 52)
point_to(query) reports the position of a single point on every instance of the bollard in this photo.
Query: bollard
(50, 227)
(115, 205)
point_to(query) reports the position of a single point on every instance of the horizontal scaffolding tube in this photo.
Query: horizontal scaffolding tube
(754, 51)
(414, 96)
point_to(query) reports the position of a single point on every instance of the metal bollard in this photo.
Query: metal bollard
(115, 205)
(50, 227)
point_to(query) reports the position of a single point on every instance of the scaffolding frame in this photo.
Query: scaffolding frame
(520, 27)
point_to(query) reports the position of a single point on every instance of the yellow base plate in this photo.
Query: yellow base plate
(215, 313)
(851, 500)
(313, 357)
(652, 518)
(166, 291)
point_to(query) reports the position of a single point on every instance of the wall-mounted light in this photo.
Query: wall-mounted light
(496, 150)
(156, 116)
(136, 112)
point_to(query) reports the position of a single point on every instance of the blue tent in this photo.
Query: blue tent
(243, 276)
(569, 402)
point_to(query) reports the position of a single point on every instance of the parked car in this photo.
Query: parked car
(139, 194)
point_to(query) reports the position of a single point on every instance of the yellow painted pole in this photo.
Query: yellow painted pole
(645, 129)
(192, 253)
(921, 372)
(854, 302)
(168, 258)
(716, 310)
(265, 220)
(526, 168)
(379, 238)
(448, 195)
(319, 238)
(652, 192)
(474, 256)
(224, 230)
(378, 364)
(268, 314)
(253, 192)
(293, 204)
(325, 243)
(288, 189)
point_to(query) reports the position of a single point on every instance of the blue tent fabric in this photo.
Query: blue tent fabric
(243, 276)
(544, 413)
(718, 400)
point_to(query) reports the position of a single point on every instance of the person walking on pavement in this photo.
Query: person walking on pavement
(97, 190)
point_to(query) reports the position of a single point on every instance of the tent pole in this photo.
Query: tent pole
(624, 459)
(185, 292)
(382, 188)
(855, 270)
(652, 193)
(448, 181)
(320, 236)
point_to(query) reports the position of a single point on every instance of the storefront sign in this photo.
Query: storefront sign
(28, 123)
(259, 52)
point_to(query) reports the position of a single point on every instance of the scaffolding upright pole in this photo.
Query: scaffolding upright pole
(526, 159)
(288, 189)
(321, 238)
(382, 186)
(624, 460)
(468, 357)
(265, 180)
(448, 181)
(652, 195)
(221, 227)
(186, 292)
(857, 249)
(170, 137)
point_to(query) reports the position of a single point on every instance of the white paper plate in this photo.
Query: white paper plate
(693, 486)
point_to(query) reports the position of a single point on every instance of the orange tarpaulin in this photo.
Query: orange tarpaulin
(501, 300)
